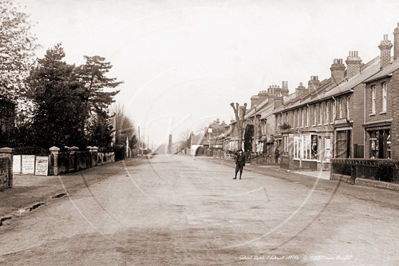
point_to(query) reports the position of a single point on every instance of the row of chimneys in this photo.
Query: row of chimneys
(353, 62)
(274, 91)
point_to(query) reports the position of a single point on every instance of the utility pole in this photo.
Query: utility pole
(138, 153)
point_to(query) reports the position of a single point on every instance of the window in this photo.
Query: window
(321, 114)
(334, 111)
(340, 107)
(373, 100)
(303, 117)
(327, 112)
(285, 143)
(348, 104)
(299, 119)
(380, 144)
(314, 115)
(307, 116)
(384, 97)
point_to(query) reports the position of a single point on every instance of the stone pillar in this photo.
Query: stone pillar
(54, 154)
(91, 156)
(93, 152)
(8, 153)
(74, 152)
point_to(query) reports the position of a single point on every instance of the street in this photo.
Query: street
(182, 210)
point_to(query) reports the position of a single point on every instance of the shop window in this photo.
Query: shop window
(380, 144)
(314, 146)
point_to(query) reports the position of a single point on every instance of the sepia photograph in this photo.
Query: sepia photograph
(199, 132)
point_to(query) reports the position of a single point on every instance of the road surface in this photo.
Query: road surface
(183, 210)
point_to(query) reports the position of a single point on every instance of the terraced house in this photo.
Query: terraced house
(328, 119)
(381, 120)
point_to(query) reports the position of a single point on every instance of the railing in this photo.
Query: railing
(375, 169)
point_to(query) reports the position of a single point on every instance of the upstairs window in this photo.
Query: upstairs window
(321, 113)
(334, 110)
(348, 104)
(314, 115)
(307, 116)
(384, 97)
(327, 112)
(340, 107)
(373, 100)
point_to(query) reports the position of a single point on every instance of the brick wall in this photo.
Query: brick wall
(378, 101)
(393, 100)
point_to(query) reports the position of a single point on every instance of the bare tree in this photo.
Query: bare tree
(239, 112)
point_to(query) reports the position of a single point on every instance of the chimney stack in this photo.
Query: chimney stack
(354, 63)
(263, 95)
(284, 90)
(254, 100)
(385, 47)
(313, 83)
(300, 89)
(337, 71)
(396, 43)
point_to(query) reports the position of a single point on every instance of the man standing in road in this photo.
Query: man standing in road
(240, 163)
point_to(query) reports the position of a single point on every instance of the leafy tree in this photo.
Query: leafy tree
(100, 131)
(60, 101)
(17, 45)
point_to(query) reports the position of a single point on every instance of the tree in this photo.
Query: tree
(70, 104)
(92, 74)
(17, 45)
(59, 99)
(124, 128)
(239, 112)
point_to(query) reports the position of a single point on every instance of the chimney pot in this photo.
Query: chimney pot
(396, 43)
(385, 55)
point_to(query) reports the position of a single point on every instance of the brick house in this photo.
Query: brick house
(381, 123)
(261, 115)
(323, 121)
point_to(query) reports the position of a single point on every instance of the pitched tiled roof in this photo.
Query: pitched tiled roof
(386, 71)
(258, 109)
(368, 70)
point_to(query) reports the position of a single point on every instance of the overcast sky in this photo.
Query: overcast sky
(183, 62)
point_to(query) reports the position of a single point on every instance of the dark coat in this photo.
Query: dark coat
(240, 158)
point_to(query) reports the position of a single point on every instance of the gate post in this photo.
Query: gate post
(54, 153)
(8, 153)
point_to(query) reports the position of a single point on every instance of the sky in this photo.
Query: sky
(184, 62)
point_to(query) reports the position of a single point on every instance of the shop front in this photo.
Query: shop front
(312, 150)
(378, 141)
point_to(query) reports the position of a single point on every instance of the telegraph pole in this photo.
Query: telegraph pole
(138, 153)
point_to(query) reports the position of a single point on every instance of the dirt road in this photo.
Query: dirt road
(185, 211)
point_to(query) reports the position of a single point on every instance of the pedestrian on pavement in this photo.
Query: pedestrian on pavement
(240, 163)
